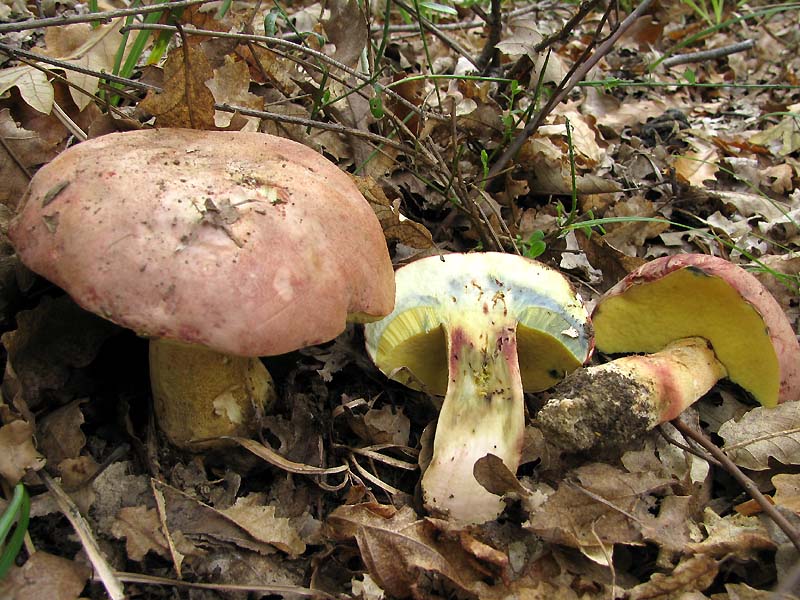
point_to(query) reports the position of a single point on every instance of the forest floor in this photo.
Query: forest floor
(592, 137)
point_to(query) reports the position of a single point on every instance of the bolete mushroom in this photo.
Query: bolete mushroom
(702, 318)
(218, 246)
(478, 329)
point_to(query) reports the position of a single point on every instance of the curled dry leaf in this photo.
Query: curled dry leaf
(141, 528)
(60, 436)
(733, 535)
(396, 227)
(45, 576)
(694, 574)
(18, 453)
(186, 100)
(597, 507)
(762, 434)
(400, 549)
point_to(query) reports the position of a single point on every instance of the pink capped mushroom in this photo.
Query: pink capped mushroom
(698, 319)
(218, 246)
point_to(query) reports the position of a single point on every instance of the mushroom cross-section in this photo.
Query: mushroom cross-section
(703, 318)
(219, 246)
(478, 329)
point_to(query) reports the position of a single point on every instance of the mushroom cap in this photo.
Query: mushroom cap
(553, 329)
(246, 243)
(690, 295)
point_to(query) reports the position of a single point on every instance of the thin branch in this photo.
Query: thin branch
(490, 55)
(704, 55)
(430, 27)
(287, 44)
(97, 16)
(112, 584)
(748, 484)
(576, 77)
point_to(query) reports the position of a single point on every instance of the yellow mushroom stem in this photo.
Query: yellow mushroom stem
(201, 394)
(483, 413)
(608, 405)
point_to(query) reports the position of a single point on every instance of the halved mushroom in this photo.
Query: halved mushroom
(703, 318)
(219, 246)
(478, 328)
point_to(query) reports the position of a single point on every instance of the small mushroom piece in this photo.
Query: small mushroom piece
(218, 246)
(478, 329)
(702, 318)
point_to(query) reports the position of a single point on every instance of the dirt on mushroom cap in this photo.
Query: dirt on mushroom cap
(243, 242)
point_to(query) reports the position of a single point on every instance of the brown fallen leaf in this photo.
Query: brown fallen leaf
(45, 577)
(17, 451)
(762, 434)
(51, 340)
(89, 46)
(694, 574)
(141, 528)
(230, 85)
(400, 550)
(787, 491)
(386, 425)
(59, 433)
(733, 535)
(604, 505)
(256, 517)
(396, 227)
(26, 150)
(186, 100)
(347, 29)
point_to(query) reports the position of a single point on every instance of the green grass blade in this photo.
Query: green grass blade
(19, 510)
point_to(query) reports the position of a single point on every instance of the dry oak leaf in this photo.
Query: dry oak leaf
(733, 535)
(396, 227)
(260, 521)
(33, 86)
(85, 45)
(17, 452)
(401, 550)
(787, 491)
(762, 434)
(698, 165)
(230, 85)
(691, 575)
(141, 528)
(45, 577)
(596, 505)
(186, 100)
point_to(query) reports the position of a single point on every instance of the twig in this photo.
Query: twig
(577, 76)
(367, 135)
(289, 590)
(112, 584)
(426, 24)
(490, 56)
(97, 16)
(704, 55)
(16, 53)
(750, 487)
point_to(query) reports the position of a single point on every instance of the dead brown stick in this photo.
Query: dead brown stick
(95, 17)
(579, 73)
(748, 484)
(704, 55)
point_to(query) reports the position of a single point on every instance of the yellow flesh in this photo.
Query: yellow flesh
(687, 303)
(544, 360)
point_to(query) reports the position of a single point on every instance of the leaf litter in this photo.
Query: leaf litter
(643, 163)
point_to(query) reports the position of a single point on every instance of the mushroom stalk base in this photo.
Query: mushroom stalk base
(483, 413)
(200, 394)
(608, 405)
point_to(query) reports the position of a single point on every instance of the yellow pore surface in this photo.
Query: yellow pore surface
(688, 302)
(481, 292)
